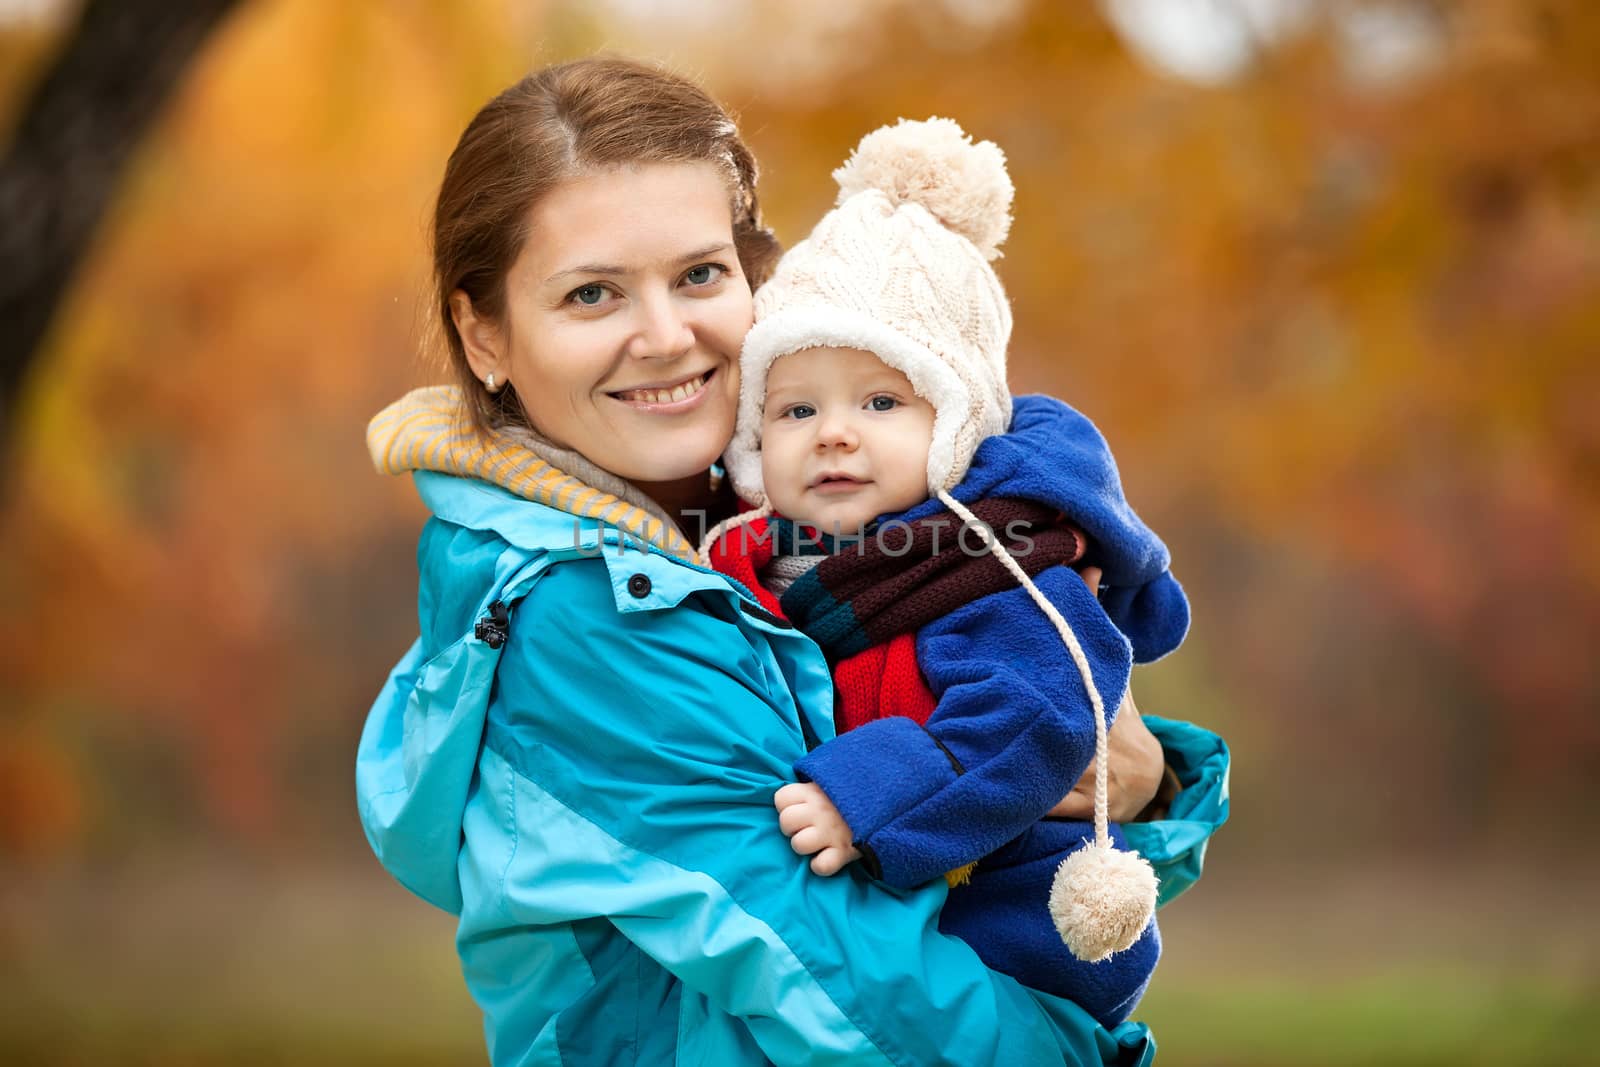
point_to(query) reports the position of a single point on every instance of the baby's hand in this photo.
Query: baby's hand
(814, 827)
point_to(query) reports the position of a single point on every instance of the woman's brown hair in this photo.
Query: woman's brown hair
(587, 114)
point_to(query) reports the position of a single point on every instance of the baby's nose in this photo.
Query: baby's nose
(836, 433)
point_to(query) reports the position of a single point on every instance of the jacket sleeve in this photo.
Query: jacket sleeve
(1012, 732)
(1175, 844)
(644, 749)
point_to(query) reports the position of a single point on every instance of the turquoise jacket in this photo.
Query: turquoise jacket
(577, 758)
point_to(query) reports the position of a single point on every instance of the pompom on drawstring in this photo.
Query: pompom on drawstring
(1102, 900)
(935, 164)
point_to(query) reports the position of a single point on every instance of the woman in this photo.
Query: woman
(578, 755)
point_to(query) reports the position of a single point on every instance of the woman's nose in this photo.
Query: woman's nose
(663, 332)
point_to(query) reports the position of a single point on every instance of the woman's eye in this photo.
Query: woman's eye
(884, 403)
(704, 274)
(588, 295)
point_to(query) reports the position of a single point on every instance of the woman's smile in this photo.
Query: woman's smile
(683, 395)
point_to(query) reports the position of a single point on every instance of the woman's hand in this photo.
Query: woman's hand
(814, 827)
(1135, 764)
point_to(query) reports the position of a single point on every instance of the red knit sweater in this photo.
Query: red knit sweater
(881, 681)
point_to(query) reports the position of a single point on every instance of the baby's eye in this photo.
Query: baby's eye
(883, 403)
(704, 274)
(801, 411)
(588, 295)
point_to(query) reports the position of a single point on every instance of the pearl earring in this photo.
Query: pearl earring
(488, 381)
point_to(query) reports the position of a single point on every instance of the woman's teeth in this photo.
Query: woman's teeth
(664, 396)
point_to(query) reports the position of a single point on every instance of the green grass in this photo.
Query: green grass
(203, 969)
(156, 1047)
(1411, 1017)
(207, 968)
(1418, 1019)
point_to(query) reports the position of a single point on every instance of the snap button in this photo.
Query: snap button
(495, 627)
(639, 586)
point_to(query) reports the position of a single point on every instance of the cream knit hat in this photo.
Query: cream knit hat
(899, 268)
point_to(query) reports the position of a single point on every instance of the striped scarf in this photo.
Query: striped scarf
(901, 576)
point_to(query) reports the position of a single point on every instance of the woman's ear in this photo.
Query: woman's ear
(481, 337)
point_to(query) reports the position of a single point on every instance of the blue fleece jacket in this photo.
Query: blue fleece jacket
(1014, 725)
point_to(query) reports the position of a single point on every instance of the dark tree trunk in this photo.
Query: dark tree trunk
(77, 132)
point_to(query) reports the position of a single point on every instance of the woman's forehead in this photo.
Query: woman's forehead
(629, 219)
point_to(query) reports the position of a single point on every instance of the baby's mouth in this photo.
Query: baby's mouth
(838, 482)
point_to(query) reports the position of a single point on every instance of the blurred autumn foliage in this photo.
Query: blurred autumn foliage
(1342, 332)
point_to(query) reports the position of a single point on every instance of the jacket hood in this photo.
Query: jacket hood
(485, 547)
(419, 749)
(1055, 456)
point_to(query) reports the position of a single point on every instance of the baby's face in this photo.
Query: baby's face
(844, 439)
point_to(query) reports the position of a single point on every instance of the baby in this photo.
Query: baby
(924, 531)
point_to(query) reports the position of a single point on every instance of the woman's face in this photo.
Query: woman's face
(624, 317)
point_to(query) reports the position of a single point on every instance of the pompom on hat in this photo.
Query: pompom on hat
(899, 268)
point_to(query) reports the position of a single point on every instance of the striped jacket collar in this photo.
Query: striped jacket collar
(427, 430)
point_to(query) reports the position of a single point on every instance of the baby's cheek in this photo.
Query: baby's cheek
(779, 476)
(908, 489)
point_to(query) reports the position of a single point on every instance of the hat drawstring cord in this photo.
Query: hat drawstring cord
(1102, 897)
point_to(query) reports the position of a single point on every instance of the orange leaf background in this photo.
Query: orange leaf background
(1341, 331)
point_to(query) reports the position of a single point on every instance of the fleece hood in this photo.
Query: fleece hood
(1055, 456)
